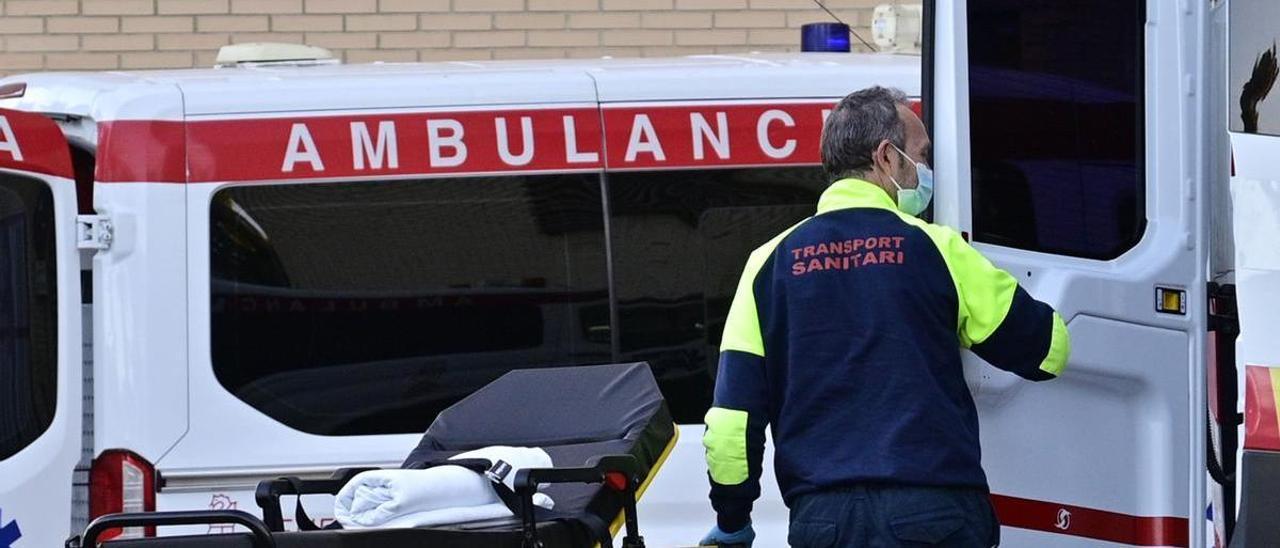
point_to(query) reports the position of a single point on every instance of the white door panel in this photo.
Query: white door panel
(35, 481)
(1107, 451)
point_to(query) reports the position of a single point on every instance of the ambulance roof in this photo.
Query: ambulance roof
(179, 94)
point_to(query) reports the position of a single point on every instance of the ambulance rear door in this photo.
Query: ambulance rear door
(40, 367)
(1070, 143)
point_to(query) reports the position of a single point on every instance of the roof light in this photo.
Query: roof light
(265, 53)
(825, 37)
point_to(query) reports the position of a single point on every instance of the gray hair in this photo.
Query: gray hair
(857, 125)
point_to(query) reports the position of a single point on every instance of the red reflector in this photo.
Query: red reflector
(121, 481)
(616, 481)
(13, 91)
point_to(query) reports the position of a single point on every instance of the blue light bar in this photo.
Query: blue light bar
(824, 37)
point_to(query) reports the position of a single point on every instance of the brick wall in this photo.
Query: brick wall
(140, 34)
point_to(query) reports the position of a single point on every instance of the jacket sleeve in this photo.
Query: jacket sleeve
(999, 321)
(734, 438)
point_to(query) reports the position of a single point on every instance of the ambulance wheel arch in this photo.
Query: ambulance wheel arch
(39, 331)
(1076, 124)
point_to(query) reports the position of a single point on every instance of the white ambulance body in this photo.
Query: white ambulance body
(293, 268)
(305, 264)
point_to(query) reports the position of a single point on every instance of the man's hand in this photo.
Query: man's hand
(743, 537)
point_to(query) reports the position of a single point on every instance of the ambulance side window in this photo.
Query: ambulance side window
(28, 312)
(680, 241)
(367, 308)
(1057, 127)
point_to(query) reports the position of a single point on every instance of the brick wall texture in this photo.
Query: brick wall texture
(40, 35)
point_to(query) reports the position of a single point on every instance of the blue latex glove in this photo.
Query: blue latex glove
(716, 537)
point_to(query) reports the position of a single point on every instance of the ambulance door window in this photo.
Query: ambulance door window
(1056, 118)
(367, 308)
(28, 312)
(680, 241)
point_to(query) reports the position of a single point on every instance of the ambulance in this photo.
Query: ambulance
(214, 277)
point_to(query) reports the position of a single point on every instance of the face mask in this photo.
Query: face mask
(913, 201)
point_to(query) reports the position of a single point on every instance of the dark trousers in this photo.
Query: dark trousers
(883, 516)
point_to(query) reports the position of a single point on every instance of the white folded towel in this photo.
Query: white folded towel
(439, 495)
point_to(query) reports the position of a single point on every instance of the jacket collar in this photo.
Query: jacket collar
(847, 193)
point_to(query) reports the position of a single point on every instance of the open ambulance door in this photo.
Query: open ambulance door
(1253, 118)
(40, 346)
(1069, 145)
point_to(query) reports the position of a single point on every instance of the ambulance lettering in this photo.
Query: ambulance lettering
(364, 149)
(302, 148)
(572, 154)
(444, 134)
(9, 142)
(504, 142)
(644, 139)
(704, 135)
(762, 134)
(479, 141)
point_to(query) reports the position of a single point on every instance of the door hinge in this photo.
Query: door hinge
(93, 232)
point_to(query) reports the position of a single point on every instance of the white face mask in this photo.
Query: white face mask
(913, 201)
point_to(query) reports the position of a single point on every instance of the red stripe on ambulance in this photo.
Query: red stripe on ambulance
(141, 151)
(1078, 521)
(33, 143)
(464, 142)
(395, 144)
(714, 135)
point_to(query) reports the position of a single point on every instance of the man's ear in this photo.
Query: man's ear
(880, 157)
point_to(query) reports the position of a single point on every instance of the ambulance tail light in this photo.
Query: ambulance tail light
(121, 481)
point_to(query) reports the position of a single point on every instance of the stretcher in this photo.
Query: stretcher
(606, 428)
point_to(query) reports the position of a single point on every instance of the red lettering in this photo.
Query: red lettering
(797, 268)
(796, 253)
(808, 251)
(832, 262)
(886, 241)
(897, 241)
(887, 257)
(814, 264)
(869, 258)
(857, 244)
(822, 249)
(900, 257)
(870, 243)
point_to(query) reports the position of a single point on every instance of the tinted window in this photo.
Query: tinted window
(367, 308)
(1057, 124)
(28, 313)
(680, 242)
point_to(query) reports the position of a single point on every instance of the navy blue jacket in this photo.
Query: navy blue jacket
(844, 339)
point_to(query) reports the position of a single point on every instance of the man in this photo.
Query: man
(844, 337)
